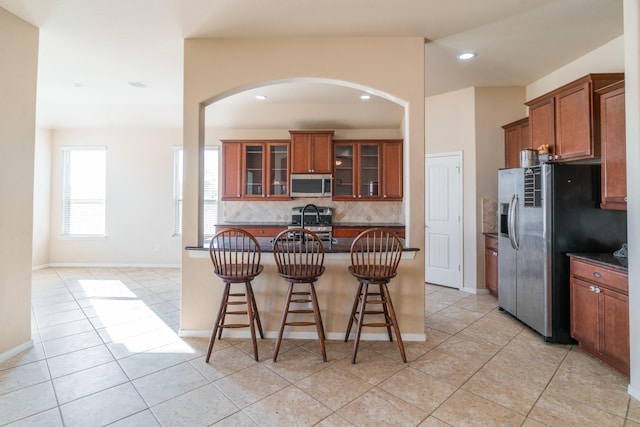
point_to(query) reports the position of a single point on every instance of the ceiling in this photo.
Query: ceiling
(95, 55)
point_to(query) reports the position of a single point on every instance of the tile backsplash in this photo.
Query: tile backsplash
(280, 212)
(489, 216)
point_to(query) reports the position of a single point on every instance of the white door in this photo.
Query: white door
(443, 219)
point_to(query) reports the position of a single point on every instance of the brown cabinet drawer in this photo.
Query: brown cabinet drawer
(353, 231)
(257, 231)
(600, 275)
(491, 242)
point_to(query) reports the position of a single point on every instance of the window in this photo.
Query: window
(84, 189)
(210, 202)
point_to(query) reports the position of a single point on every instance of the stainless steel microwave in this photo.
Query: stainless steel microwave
(310, 185)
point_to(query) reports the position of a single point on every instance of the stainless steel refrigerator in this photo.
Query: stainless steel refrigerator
(546, 211)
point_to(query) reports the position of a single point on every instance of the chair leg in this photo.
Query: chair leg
(356, 302)
(283, 320)
(318, 317)
(387, 318)
(396, 328)
(219, 319)
(256, 312)
(224, 303)
(250, 315)
(363, 306)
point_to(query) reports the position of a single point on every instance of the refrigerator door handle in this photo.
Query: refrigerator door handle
(512, 222)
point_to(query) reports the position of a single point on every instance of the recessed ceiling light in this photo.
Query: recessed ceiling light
(261, 97)
(365, 97)
(138, 85)
(467, 55)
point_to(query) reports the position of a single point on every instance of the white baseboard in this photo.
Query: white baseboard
(308, 335)
(19, 349)
(633, 392)
(40, 267)
(112, 265)
(475, 291)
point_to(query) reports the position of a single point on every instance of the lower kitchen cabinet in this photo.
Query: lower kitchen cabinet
(491, 264)
(255, 230)
(600, 312)
(354, 230)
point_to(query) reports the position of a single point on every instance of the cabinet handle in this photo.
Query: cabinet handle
(597, 274)
(494, 253)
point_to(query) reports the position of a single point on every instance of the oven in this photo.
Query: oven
(317, 219)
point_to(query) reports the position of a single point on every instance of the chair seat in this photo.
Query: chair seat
(372, 272)
(238, 273)
(302, 273)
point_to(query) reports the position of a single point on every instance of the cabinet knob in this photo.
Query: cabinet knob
(238, 195)
(494, 253)
(557, 156)
(597, 274)
(385, 196)
(354, 196)
(597, 290)
(625, 199)
(592, 288)
(359, 196)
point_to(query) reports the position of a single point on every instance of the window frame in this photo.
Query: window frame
(178, 202)
(66, 220)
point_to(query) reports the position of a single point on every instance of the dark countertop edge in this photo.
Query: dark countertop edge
(282, 224)
(270, 249)
(604, 259)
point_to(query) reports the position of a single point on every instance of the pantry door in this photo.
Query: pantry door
(443, 219)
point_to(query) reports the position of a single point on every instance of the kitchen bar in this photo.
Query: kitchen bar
(336, 289)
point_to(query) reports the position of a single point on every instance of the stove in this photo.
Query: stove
(316, 218)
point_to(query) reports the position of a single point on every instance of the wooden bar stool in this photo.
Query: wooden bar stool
(300, 260)
(235, 255)
(375, 255)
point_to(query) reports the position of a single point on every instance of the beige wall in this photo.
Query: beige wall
(19, 51)
(42, 199)
(215, 68)
(608, 58)
(139, 199)
(470, 121)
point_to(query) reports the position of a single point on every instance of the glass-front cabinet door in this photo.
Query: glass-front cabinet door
(344, 171)
(253, 170)
(278, 170)
(369, 171)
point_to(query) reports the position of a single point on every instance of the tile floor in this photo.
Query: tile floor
(106, 353)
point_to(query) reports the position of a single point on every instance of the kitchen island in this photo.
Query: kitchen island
(336, 290)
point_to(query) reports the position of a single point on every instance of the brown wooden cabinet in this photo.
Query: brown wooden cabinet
(255, 170)
(256, 230)
(613, 147)
(600, 312)
(368, 170)
(491, 264)
(568, 118)
(354, 230)
(516, 139)
(311, 151)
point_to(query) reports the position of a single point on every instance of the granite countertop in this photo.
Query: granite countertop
(605, 259)
(339, 245)
(285, 224)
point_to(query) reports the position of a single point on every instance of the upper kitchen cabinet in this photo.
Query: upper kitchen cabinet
(568, 118)
(368, 170)
(311, 151)
(613, 147)
(516, 139)
(255, 170)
